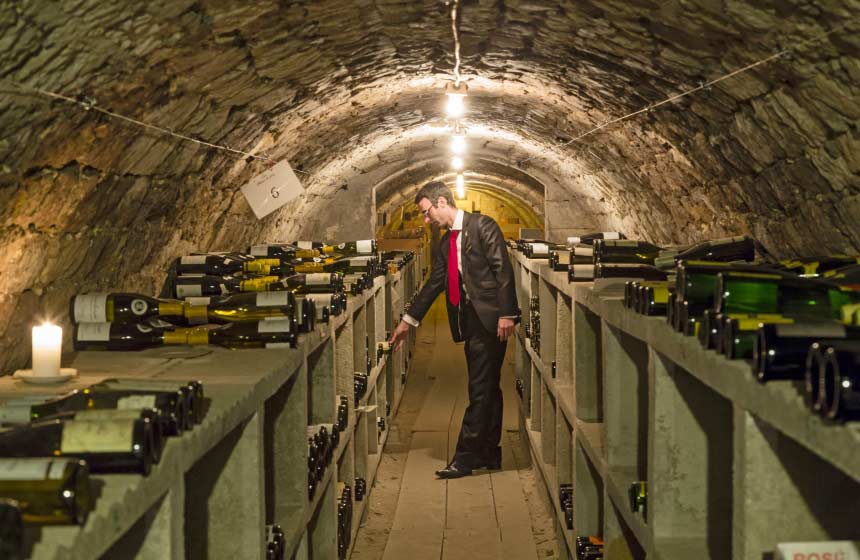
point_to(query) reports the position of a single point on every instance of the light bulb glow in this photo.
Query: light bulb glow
(461, 186)
(458, 144)
(456, 163)
(455, 108)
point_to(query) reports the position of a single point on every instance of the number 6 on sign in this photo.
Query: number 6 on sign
(271, 189)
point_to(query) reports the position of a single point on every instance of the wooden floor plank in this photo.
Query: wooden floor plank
(470, 503)
(472, 544)
(515, 524)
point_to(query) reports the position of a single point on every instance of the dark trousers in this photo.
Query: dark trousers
(482, 422)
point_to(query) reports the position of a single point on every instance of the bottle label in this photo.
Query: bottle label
(198, 300)
(259, 250)
(32, 469)
(811, 330)
(360, 260)
(273, 299)
(273, 324)
(197, 314)
(193, 336)
(115, 436)
(193, 259)
(583, 251)
(109, 414)
(15, 414)
(583, 271)
(572, 240)
(258, 284)
(364, 246)
(94, 332)
(611, 235)
(278, 345)
(136, 402)
(317, 279)
(305, 244)
(176, 337)
(91, 308)
(540, 248)
(188, 290)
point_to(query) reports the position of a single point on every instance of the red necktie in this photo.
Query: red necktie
(453, 272)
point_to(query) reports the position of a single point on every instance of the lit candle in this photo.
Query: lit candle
(47, 344)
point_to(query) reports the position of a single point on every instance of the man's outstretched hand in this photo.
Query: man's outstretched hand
(506, 328)
(398, 337)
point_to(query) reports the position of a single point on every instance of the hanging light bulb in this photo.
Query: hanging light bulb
(458, 143)
(461, 186)
(456, 163)
(456, 96)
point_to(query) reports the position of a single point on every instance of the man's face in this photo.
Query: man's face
(431, 213)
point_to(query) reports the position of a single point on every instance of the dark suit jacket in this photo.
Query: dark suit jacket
(488, 275)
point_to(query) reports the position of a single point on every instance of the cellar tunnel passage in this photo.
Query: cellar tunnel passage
(352, 95)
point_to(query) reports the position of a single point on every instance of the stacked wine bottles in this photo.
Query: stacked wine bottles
(360, 488)
(344, 519)
(532, 327)
(51, 444)
(589, 548)
(322, 442)
(275, 542)
(359, 386)
(565, 501)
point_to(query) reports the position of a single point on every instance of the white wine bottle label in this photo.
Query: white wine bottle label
(540, 249)
(611, 235)
(108, 414)
(583, 251)
(622, 243)
(35, 468)
(193, 259)
(364, 246)
(317, 279)
(198, 300)
(259, 250)
(15, 414)
(573, 240)
(583, 271)
(90, 308)
(361, 260)
(94, 332)
(136, 402)
(811, 330)
(273, 299)
(114, 436)
(305, 244)
(188, 290)
(278, 345)
(273, 324)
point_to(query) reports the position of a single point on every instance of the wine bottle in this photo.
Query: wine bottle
(281, 251)
(11, 530)
(625, 251)
(311, 283)
(628, 270)
(48, 490)
(818, 266)
(108, 446)
(159, 438)
(191, 390)
(739, 334)
(169, 406)
(268, 333)
(226, 265)
(630, 300)
(589, 238)
(275, 542)
(124, 336)
(360, 247)
(541, 250)
(559, 260)
(308, 244)
(845, 275)
(359, 386)
(121, 308)
(321, 265)
(743, 292)
(696, 281)
(813, 374)
(726, 249)
(580, 273)
(239, 308)
(840, 380)
(382, 349)
(200, 285)
(638, 496)
(779, 351)
(654, 297)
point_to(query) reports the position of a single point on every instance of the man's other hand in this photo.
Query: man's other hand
(506, 328)
(398, 337)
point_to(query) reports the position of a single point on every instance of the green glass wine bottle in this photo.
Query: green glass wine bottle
(269, 333)
(239, 308)
(48, 490)
(121, 308)
(726, 249)
(779, 351)
(226, 265)
(625, 251)
(200, 285)
(739, 334)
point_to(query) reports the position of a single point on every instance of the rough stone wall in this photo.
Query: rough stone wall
(340, 88)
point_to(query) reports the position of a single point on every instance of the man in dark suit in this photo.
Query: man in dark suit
(474, 270)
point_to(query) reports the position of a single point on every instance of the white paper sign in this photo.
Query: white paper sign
(825, 550)
(271, 189)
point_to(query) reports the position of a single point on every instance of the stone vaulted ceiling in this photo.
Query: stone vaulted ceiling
(350, 92)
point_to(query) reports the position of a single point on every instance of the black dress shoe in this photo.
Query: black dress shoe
(454, 470)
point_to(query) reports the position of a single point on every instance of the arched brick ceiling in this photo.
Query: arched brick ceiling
(349, 90)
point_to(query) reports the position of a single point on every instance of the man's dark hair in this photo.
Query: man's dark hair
(432, 191)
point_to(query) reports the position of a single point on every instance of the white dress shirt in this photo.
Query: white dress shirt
(458, 226)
